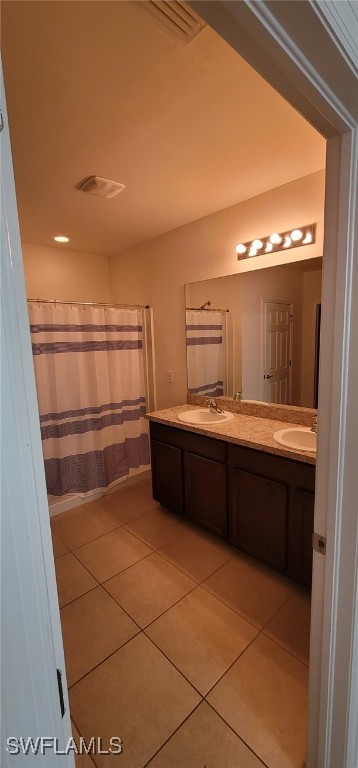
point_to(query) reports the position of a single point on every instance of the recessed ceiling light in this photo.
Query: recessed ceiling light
(61, 238)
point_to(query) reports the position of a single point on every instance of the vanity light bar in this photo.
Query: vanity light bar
(277, 241)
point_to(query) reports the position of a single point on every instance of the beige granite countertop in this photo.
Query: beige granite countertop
(250, 431)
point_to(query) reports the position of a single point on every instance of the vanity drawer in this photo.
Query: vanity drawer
(189, 441)
(273, 467)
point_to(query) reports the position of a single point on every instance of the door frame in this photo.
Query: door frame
(306, 50)
(264, 347)
(32, 649)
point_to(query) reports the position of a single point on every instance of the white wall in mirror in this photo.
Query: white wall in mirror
(299, 285)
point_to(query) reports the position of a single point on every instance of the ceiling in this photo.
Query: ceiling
(103, 88)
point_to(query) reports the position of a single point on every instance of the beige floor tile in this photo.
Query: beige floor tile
(58, 548)
(263, 697)
(197, 553)
(82, 524)
(157, 527)
(137, 695)
(72, 579)
(251, 588)
(93, 627)
(129, 502)
(205, 740)
(148, 588)
(81, 761)
(112, 553)
(202, 637)
(290, 626)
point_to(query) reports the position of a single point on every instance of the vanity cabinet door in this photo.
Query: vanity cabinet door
(167, 474)
(299, 543)
(205, 493)
(258, 516)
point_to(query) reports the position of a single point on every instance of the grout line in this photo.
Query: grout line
(227, 605)
(79, 597)
(172, 734)
(103, 660)
(81, 734)
(121, 606)
(259, 631)
(173, 664)
(186, 573)
(111, 530)
(170, 607)
(283, 648)
(237, 735)
(232, 664)
(274, 640)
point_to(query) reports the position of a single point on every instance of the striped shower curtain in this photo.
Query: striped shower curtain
(90, 387)
(205, 358)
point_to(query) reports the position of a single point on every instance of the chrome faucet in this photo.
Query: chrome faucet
(213, 406)
(314, 425)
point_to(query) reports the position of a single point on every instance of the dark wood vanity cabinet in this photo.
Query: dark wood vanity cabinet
(167, 475)
(258, 517)
(299, 539)
(260, 502)
(271, 502)
(191, 476)
(205, 493)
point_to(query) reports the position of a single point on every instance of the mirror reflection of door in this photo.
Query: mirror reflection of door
(277, 338)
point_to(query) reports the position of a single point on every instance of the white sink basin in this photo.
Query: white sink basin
(300, 438)
(204, 416)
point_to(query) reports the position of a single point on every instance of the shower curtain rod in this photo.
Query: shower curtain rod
(200, 309)
(89, 304)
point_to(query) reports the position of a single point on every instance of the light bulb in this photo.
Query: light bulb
(257, 244)
(252, 251)
(268, 248)
(275, 238)
(296, 235)
(61, 238)
(287, 242)
(308, 239)
(241, 248)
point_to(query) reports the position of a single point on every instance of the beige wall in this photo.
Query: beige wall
(156, 272)
(65, 275)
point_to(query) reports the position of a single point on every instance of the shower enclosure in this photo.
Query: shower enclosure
(94, 378)
(207, 345)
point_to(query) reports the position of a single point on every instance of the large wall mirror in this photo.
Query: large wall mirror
(256, 333)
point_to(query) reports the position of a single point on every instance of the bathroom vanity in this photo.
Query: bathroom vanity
(247, 490)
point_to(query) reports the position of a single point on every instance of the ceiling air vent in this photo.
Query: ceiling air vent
(179, 20)
(96, 185)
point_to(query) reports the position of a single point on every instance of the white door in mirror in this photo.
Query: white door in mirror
(299, 438)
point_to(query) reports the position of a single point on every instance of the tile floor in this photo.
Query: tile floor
(193, 653)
